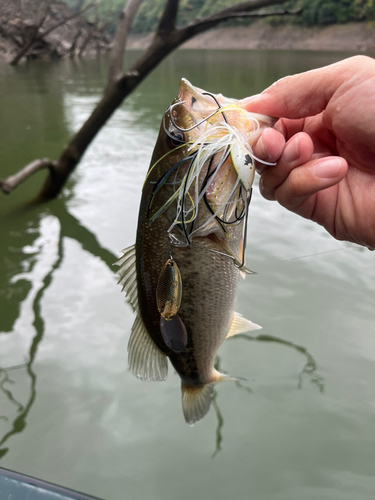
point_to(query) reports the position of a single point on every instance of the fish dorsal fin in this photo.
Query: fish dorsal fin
(146, 360)
(196, 401)
(128, 275)
(240, 324)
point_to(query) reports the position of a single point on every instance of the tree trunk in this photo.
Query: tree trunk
(119, 86)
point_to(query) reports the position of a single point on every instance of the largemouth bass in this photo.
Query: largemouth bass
(181, 275)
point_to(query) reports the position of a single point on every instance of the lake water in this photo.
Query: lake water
(303, 427)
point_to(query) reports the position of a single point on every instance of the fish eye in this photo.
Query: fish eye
(175, 138)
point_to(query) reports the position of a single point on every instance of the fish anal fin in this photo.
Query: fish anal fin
(240, 324)
(146, 360)
(196, 401)
(128, 276)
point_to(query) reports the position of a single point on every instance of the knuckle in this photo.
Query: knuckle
(267, 192)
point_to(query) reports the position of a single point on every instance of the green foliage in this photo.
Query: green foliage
(366, 9)
(314, 12)
(323, 12)
(150, 11)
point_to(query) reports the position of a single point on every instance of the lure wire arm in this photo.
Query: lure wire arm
(247, 204)
(172, 106)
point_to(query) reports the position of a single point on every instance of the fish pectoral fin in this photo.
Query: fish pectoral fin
(196, 401)
(240, 324)
(128, 275)
(146, 360)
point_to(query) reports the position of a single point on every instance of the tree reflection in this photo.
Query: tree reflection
(309, 369)
(70, 227)
(19, 423)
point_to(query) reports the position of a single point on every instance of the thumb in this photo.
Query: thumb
(302, 95)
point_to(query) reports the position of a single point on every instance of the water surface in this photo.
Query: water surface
(70, 411)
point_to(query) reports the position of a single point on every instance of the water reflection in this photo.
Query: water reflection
(25, 372)
(19, 423)
(51, 242)
(18, 320)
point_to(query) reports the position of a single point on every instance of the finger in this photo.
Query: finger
(268, 147)
(298, 151)
(305, 94)
(298, 191)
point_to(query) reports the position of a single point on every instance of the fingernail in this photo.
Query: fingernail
(327, 169)
(261, 150)
(245, 101)
(291, 151)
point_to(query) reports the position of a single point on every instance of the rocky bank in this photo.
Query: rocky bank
(356, 37)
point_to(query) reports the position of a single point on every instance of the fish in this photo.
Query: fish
(181, 275)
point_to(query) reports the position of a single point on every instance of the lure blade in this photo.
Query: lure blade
(242, 164)
(169, 290)
(174, 333)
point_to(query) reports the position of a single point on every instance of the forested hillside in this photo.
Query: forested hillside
(315, 12)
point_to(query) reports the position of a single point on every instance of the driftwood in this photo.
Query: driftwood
(37, 35)
(166, 39)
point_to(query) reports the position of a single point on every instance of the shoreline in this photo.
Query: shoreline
(355, 37)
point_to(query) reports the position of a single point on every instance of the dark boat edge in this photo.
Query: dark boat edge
(45, 485)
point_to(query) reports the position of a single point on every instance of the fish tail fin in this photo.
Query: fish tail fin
(196, 400)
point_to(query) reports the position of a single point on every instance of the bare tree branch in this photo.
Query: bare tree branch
(238, 10)
(10, 37)
(281, 12)
(66, 20)
(22, 16)
(85, 43)
(168, 18)
(43, 16)
(167, 38)
(25, 49)
(119, 44)
(15, 180)
(74, 43)
(39, 36)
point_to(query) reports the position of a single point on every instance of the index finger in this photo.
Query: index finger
(304, 94)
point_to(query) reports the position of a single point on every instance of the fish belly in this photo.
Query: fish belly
(209, 283)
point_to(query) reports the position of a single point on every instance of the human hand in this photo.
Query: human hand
(324, 146)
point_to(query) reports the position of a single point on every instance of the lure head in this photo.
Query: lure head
(194, 105)
(208, 159)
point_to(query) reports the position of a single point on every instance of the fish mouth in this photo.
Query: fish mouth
(199, 102)
(188, 91)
